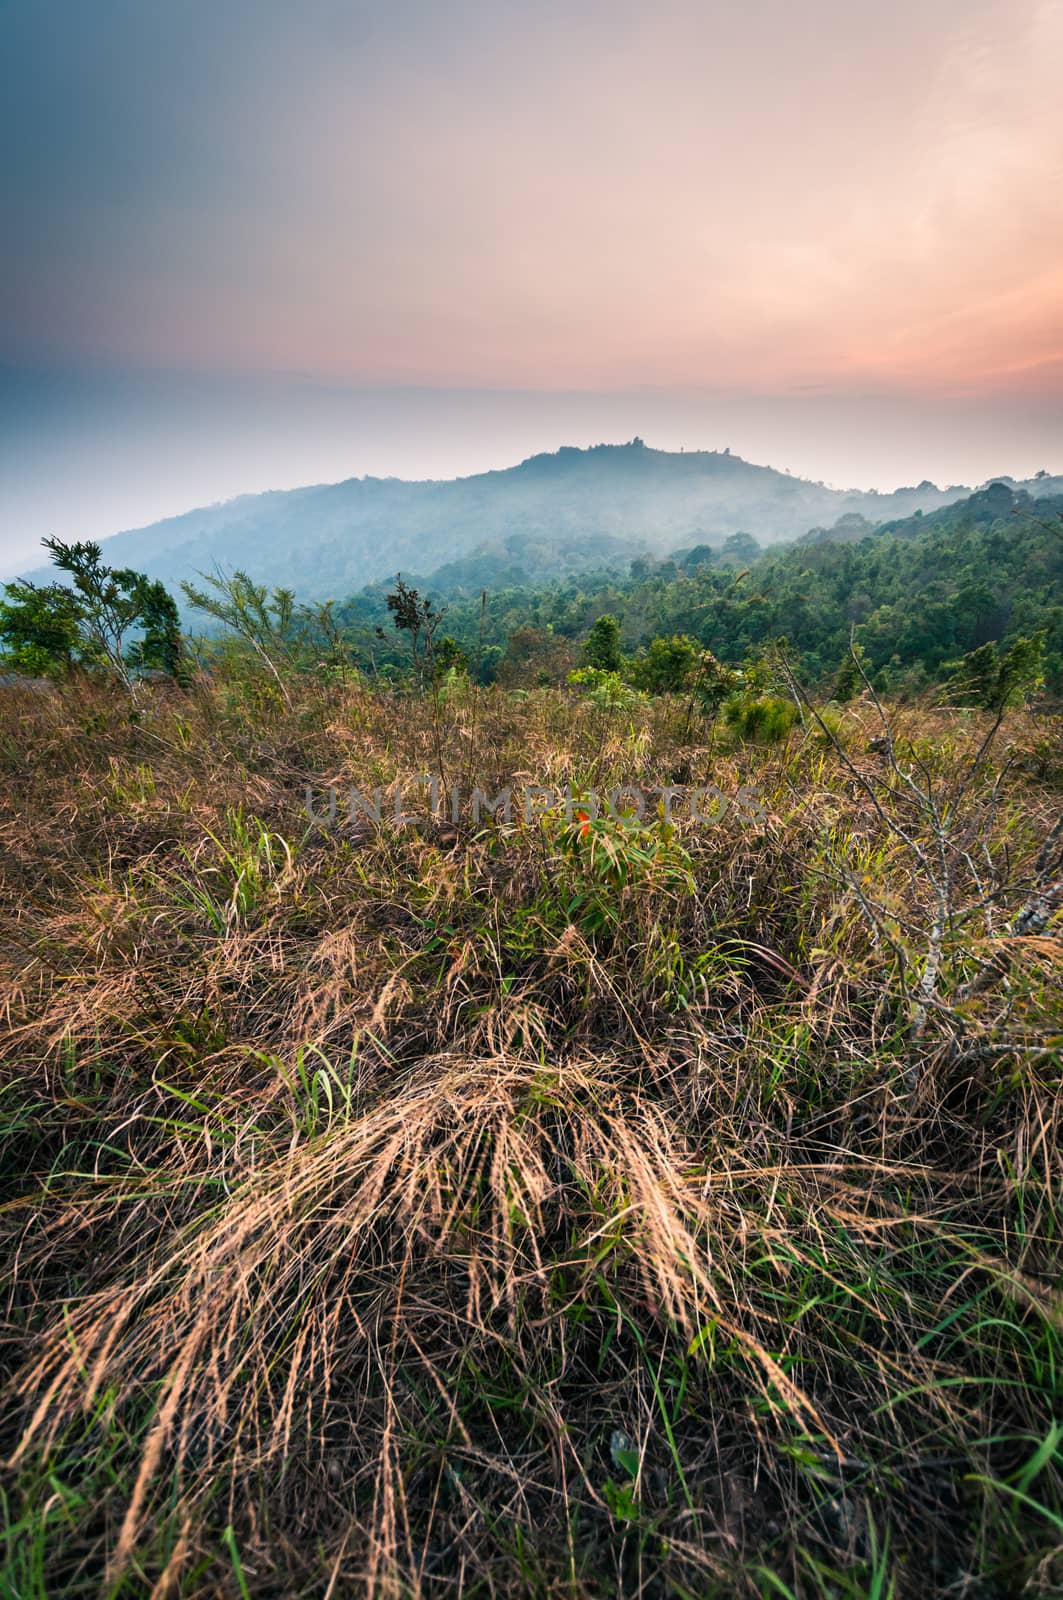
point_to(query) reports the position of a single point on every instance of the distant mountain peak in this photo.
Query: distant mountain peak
(555, 512)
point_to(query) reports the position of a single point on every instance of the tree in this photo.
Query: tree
(533, 655)
(415, 616)
(986, 678)
(112, 601)
(51, 629)
(322, 640)
(1022, 670)
(974, 679)
(449, 657)
(714, 683)
(668, 665)
(739, 550)
(850, 675)
(262, 620)
(702, 555)
(40, 629)
(161, 648)
(602, 649)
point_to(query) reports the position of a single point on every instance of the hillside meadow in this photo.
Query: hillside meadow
(553, 1207)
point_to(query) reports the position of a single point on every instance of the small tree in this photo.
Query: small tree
(715, 683)
(974, 679)
(533, 655)
(667, 667)
(40, 629)
(449, 657)
(262, 620)
(602, 649)
(986, 678)
(850, 675)
(739, 550)
(324, 640)
(161, 648)
(415, 616)
(113, 601)
(51, 629)
(712, 684)
(1022, 670)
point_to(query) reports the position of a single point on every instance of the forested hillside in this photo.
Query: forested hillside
(544, 518)
(920, 592)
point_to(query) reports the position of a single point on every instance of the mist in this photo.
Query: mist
(88, 455)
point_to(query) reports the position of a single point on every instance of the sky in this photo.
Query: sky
(250, 244)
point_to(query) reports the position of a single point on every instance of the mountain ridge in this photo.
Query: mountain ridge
(555, 511)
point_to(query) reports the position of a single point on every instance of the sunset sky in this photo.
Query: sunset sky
(251, 243)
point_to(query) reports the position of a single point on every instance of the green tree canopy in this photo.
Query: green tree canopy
(602, 649)
(91, 621)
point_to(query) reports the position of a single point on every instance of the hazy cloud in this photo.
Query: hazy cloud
(552, 196)
(827, 234)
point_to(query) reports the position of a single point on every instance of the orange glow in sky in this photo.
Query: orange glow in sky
(766, 196)
(828, 233)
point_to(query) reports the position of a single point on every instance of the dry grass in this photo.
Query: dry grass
(524, 1210)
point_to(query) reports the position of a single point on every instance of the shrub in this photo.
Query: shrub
(765, 719)
(667, 666)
